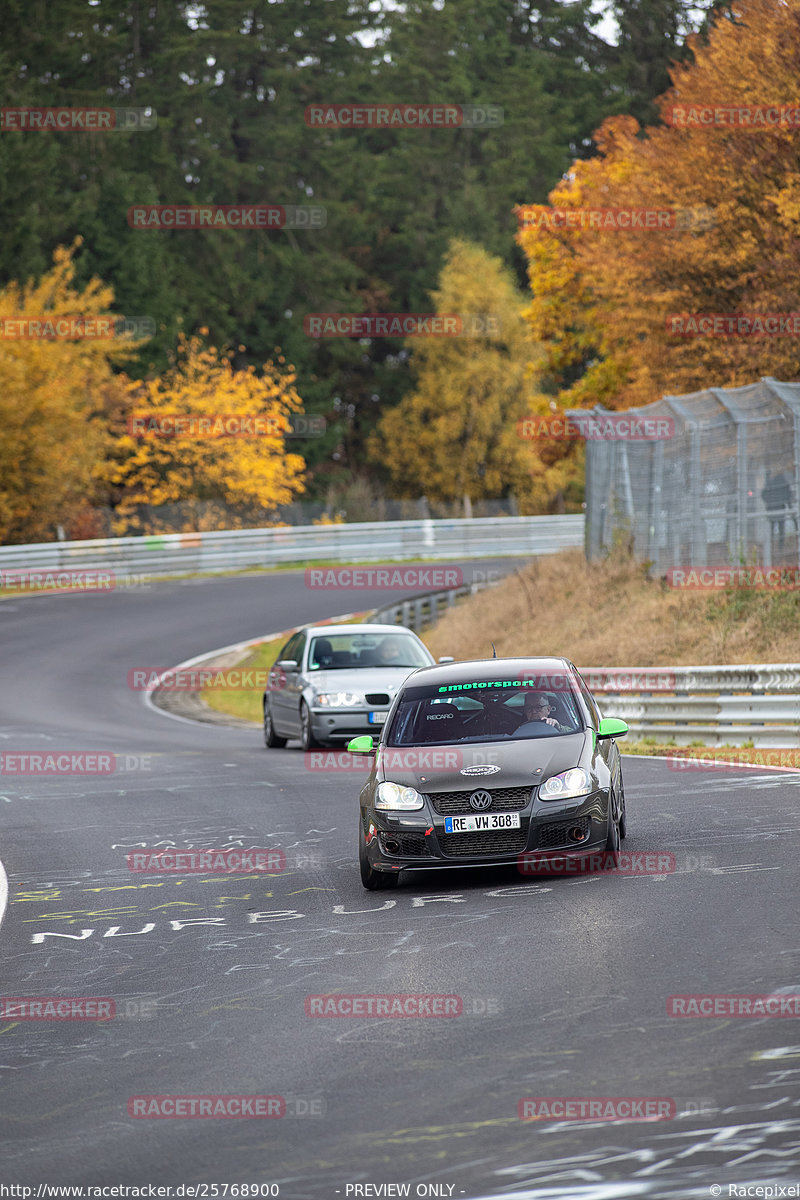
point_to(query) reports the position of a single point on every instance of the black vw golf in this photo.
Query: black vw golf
(490, 762)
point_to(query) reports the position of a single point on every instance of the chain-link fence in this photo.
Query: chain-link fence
(706, 479)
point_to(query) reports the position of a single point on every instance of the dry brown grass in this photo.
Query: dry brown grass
(610, 614)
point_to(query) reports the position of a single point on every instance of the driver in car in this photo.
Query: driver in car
(537, 709)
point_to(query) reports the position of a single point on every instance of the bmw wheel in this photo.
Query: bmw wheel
(271, 739)
(307, 739)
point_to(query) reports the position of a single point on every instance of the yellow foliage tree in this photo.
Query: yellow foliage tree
(455, 438)
(203, 462)
(54, 395)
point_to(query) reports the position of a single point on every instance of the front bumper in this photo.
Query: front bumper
(341, 724)
(417, 841)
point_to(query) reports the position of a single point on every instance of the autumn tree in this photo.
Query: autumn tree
(455, 437)
(603, 298)
(58, 344)
(204, 431)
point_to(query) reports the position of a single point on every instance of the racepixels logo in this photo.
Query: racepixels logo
(223, 425)
(596, 427)
(641, 863)
(76, 120)
(601, 1108)
(357, 578)
(400, 325)
(403, 116)
(206, 1107)
(402, 1006)
(227, 216)
(720, 759)
(21, 580)
(719, 1005)
(57, 1008)
(614, 220)
(201, 862)
(714, 578)
(722, 325)
(52, 328)
(756, 117)
(196, 679)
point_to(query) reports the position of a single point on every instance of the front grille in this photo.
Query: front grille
(376, 698)
(557, 834)
(503, 799)
(495, 841)
(411, 844)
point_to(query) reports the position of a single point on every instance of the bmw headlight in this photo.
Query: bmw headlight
(339, 699)
(575, 782)
(395, 796)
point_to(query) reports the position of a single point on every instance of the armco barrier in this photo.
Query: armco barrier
(238, 549)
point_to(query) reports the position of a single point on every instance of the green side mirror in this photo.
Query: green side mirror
(611, 727)
(363, 744)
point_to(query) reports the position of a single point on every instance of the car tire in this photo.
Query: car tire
(271, 739)
(373, 881)
(612, 841)
(307, 739)
(623, 819)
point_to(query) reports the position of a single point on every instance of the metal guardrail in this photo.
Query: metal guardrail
(237, 549)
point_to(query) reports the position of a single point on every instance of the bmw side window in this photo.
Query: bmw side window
(294, 648)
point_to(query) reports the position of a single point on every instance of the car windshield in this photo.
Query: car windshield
(490, 710)
(350, 651)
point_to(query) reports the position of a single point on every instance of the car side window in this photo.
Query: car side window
(590, 704)
(293, 648)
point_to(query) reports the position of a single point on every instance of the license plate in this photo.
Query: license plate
(479, 821)
(377, 718)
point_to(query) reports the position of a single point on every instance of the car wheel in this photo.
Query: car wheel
(373, 881)
(612, 841)
(271, 739)
(307, 739)
(623, 824)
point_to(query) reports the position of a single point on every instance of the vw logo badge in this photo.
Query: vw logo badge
(484, 769)
(480, 800)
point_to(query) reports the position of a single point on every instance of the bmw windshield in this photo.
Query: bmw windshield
(489, 710)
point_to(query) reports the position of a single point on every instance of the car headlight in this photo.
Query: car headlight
(338, 699)
(575, 782)
(395, 796)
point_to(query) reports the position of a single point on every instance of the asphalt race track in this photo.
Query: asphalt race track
(563, 982)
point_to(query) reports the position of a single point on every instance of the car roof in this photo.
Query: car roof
(490, 668)
(323, 630)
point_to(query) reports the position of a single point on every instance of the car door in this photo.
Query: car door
(295, 682)
(607, 748)
(279, 684)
